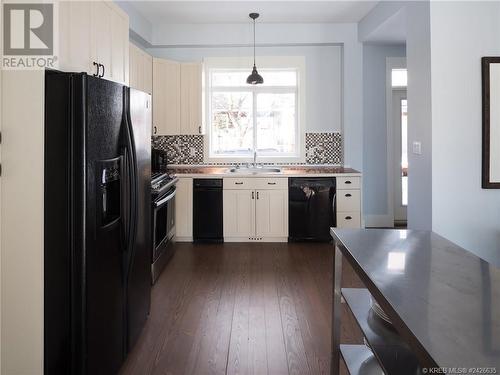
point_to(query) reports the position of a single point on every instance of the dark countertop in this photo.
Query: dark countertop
(443, 300)
(285, 171)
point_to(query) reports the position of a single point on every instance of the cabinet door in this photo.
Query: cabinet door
(191, 98)
(75, 47)
(184, 209)
(101, 35)
(135, 67)
(147, 74)
(239, 213)
(271, 213)
(119, 46)
(166, 101)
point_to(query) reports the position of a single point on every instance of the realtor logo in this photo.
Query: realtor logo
(28, 29)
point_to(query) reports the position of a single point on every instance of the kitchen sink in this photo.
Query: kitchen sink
(254, 170)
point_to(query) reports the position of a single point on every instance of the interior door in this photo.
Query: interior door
(400, 123)
(239, 213)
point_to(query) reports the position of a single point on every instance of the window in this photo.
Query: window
(243, 119)
(399, 78)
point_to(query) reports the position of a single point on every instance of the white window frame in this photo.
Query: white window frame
(296, 63)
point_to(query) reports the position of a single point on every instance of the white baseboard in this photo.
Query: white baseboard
(256, 239)
(183, 239)
(379, 221)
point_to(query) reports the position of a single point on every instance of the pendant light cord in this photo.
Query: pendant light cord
(254, 42)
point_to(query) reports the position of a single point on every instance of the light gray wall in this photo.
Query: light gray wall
(462, 33)
(323, 76)
(418, 62)
(238, 35)
(375, 126)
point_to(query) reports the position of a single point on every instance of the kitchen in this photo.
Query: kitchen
(200, 177)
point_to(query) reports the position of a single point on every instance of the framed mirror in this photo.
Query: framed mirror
(491, 123)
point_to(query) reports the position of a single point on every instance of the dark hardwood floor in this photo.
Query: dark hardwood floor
(242, 309)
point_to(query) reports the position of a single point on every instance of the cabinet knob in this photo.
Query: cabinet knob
(271, 183)
(253, 195)
(348, 217)
(238, 183)
(155, 130)
(348, 182)
(199, 129)
(348, 195)
(257, 195)
(103, 70)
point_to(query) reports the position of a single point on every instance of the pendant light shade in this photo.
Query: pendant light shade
(255, 78)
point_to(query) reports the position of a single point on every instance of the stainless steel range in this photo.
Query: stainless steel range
(163, 199)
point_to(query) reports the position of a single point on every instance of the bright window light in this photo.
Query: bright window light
(399, 78)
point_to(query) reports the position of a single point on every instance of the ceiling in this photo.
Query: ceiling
(192, 12)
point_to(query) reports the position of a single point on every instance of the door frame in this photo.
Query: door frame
(399, 93)
(391, 63)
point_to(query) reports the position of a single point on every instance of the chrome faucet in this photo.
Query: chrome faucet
(255, 159)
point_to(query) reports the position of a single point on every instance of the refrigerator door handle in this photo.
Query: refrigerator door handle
(125, 199)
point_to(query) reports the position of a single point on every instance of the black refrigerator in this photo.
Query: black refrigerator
(97, 241)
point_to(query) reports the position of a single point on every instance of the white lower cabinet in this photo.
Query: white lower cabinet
(348, 202)
(252, 214)
(271, 217)
(184, 209)
(239, 214)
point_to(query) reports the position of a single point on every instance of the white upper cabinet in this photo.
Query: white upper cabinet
(75, 46)
(191, 98)
(166, 98)
(119, 46)
(177, 97)
(141, 69)
(93, 33)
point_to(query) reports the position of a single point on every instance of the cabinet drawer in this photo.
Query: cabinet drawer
(348, 183)
(270, 183)
(238, 183)
(348, 201)
(348, 220)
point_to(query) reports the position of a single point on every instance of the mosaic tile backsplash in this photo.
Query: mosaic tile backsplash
(321, 148)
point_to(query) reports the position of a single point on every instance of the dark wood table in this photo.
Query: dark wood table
(443, 301)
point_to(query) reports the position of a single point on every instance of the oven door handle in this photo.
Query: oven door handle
(164, 200)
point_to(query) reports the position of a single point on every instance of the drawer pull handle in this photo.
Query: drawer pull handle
(348, 217)
(348, 195)
(348, 182)
(238, 183)
(271, 183)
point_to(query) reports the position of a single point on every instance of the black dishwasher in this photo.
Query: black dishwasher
(311, 208)
(207, 210)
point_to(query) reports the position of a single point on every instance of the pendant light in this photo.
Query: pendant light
(255, 78)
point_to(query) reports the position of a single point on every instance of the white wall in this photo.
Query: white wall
(462, 33)
(375, 203)
(22, 222)
(323, 76)
(418, 60)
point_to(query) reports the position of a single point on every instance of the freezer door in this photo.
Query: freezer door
(139, 257)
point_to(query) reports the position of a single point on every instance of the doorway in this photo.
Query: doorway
(400, 160)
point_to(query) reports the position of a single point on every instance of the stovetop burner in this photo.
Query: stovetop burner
(161, 183)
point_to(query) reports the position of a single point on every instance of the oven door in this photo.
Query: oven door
(163, 223)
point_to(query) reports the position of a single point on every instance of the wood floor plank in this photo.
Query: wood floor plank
(295, 351)
(247, 308)
(237, 362)
(257, 353)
